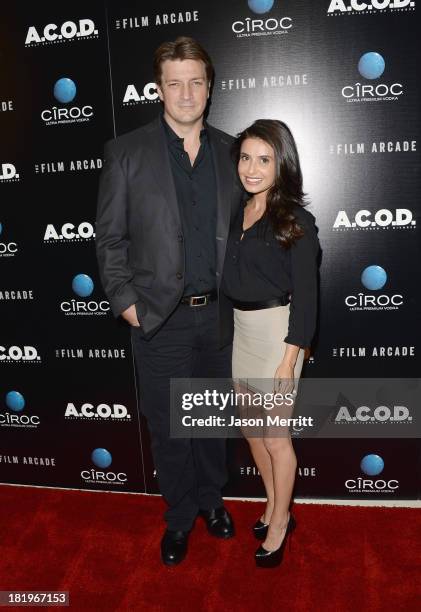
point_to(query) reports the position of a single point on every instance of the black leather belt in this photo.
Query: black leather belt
(200, 300)
(281, 301)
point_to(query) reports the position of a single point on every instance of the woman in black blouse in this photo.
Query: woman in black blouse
(270, 275)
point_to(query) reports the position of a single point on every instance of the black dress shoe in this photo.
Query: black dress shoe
(272, 558)
(260, 530)
(218, 522)
(174, 546)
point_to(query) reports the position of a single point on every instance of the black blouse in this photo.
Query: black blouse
(257, 269)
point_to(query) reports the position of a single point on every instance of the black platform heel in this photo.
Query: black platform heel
(260, 530)
(269, 558)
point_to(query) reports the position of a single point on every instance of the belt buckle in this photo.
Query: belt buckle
(194, 302)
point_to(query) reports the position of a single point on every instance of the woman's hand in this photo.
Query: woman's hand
(284, 378)
(284, 375)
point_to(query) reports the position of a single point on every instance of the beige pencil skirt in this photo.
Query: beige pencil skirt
(259, 346)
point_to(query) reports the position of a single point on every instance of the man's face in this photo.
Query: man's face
(184, 90)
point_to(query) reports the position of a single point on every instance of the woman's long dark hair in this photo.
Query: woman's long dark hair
(287, 191)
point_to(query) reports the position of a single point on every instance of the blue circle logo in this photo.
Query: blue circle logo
(260, 6)
(15, 401)
(371, 65)
(372, 465)
(82, 285)
(64, 90)
(374, 277)
(101, 457)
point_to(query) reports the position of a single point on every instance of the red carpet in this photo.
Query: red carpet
(104, 549)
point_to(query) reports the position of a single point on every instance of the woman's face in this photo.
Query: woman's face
(256, 167)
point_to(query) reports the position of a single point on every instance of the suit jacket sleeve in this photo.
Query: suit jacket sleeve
(112, 236)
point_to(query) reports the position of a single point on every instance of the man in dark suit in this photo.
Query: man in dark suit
(167, 194)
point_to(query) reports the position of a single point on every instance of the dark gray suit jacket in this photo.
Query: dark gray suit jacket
(139, 238)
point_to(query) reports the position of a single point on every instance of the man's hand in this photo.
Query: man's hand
(130, 316)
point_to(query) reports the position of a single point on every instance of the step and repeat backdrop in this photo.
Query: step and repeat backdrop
(342, 74)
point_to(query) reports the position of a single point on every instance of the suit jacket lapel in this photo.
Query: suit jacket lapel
(160, 163)
(223, 173)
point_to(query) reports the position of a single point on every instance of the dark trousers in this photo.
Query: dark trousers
(191, 472)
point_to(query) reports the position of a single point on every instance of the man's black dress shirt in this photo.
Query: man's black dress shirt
(196, 196)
